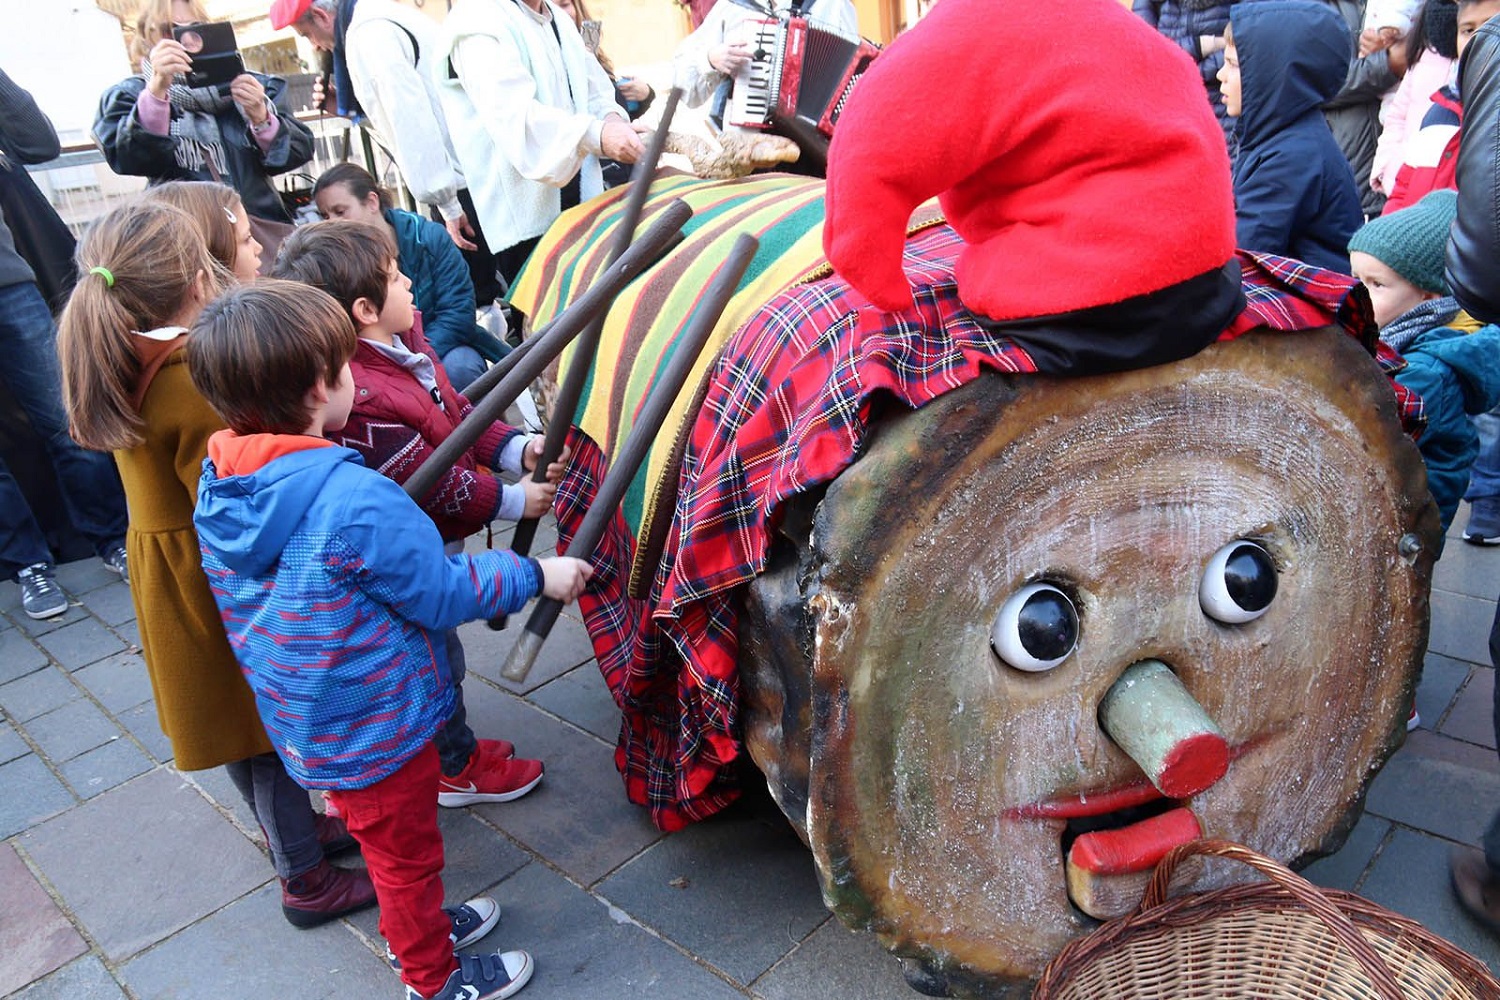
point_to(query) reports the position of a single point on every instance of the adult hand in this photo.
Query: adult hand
(620, 142)
(728, 57)
(168, 59)
(248, 93)
(563, 577)
(461, 231)
(634, 90)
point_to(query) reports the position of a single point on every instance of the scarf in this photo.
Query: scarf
(343, 86)
(1417, 320)
(196, 141)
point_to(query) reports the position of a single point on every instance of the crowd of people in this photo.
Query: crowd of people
(235, 365)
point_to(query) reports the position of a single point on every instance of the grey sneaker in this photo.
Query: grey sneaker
(1484, 522)
(471, 921)
(114, 561)
(41, 597)
(484, 977)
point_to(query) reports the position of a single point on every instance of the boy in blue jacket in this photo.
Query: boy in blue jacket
(1452, 361)
(1294, 191)
(335, 593)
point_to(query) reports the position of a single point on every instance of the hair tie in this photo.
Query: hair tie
(109, 279)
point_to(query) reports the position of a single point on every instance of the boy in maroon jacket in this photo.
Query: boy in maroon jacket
(404, 407)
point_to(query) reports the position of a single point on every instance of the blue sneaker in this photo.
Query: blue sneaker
(471, 921)
(484, 977)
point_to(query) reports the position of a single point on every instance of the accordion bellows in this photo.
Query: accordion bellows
(1070, 145)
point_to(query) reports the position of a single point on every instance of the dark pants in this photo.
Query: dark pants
(1492, 835)
(455, 741)
(87, 480)
(482, 263)
(513, 258)
(282, 807)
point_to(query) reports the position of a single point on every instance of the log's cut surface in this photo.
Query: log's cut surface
(941, 787)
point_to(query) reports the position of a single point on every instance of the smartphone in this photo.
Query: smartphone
(215, 54)
(590, 31)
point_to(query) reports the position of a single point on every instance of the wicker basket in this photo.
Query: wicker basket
(1284, 939)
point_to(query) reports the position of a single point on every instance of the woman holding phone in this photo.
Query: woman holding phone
(155, 125)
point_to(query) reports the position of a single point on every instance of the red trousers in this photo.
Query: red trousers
(395, 822)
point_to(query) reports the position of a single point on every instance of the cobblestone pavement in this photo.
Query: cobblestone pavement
(121, 877)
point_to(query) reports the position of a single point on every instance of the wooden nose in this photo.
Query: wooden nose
(1155, 720)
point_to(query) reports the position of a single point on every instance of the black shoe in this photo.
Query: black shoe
(1484, 522)
(41, 597)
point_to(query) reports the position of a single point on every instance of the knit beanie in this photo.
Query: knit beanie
(1412, 241)
(1440, 23)
(1068, 143)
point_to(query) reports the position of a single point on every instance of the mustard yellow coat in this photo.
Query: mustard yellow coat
(202, 701)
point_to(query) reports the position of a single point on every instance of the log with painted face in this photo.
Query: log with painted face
(995, 640)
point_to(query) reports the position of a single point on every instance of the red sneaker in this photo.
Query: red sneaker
(488, 779)
(497, 749)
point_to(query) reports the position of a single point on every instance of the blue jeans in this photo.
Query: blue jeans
(1484, 477)
(89, 484)
(463, 365)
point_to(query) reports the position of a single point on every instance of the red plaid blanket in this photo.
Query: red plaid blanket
(786, 408)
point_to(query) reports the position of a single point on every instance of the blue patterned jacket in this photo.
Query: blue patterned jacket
(335, 592)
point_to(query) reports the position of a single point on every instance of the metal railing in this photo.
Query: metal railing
(82, 187)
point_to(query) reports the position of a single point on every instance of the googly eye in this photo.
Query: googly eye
(1239, 583)
(1036, 629)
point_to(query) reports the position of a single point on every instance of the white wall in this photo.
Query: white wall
(66, 52)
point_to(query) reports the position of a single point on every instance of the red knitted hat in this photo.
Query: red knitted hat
(1069, 144)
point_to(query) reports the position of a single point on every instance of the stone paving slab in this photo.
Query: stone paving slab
(1472, 570)
(146, 728)
(104, 767)
(1442, 678)
(118, 682)
(836, 962)
(1347, 867)
(32, 793)
(1461, 626)
(1411, 877)
(19, 655)
(1423, 783)
(567, 646)
(75, 728)
(85, 979)
(581, 697)
(576, 818)
(11, 744)
(246, 951)
(35, 936)
(85, 575)
(585, 950)
(1472, 718)
(112, 604)
(738, 890)
(81, 643)
(143, 861)
(37, 694)
(41, 626)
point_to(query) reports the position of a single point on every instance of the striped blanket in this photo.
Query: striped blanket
(640, 332)
(784, 407)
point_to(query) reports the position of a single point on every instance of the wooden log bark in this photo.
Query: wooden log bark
(939, 787)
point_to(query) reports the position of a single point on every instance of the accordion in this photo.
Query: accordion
(798, 80)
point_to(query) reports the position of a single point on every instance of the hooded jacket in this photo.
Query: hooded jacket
(1294, 191)
(1474, 244)
(441, 285)
(335, 592)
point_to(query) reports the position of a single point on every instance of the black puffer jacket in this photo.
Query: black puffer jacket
(130, 149)
(1474, 242)
(1186, 22)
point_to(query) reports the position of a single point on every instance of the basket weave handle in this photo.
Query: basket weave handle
(1299, 888)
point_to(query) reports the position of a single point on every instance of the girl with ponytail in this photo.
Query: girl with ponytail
(145, 275)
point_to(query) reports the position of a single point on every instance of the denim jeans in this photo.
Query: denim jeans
(455, 741)
(89, 484)
(282, 807)
(1484, 477)
(463, 365)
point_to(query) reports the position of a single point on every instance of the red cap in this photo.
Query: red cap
(1070, 145)
(287, 12)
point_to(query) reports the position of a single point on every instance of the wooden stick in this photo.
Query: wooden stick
(568, 395)
(491, 376)
(689, 346)
(567, 326)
